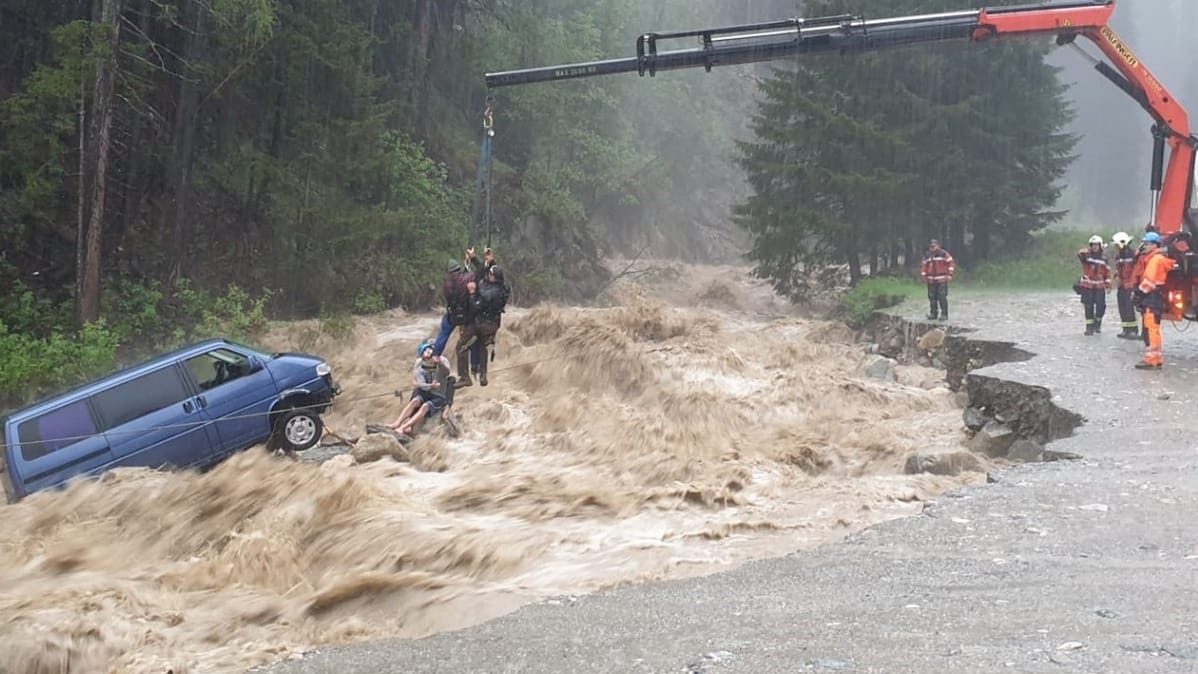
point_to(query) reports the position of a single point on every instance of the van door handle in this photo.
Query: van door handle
(203, 402)
(188, 407)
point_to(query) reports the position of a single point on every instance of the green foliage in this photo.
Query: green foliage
(31, 366)
(1048, 263)
(873, 294)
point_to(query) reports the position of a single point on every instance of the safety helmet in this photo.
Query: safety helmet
(1152, 237)
(496, 272)
(1096, 240)
(1121, 238)
(424, 345)
(453, 265)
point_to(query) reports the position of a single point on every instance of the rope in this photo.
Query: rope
(398, 393)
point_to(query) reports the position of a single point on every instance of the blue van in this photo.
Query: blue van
(187, 409)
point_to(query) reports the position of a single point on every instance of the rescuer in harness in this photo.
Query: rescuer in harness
(487, 312)
(1125, 277)
(1150, 298)
(457, 297)
(1094, 285)
(937, 270)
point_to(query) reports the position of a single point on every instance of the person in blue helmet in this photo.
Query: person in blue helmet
(432, 390)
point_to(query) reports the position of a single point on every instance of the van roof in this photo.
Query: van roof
(95, 386)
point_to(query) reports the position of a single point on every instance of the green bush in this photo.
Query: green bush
(872, 294)
(1049, 263)
(41, 352)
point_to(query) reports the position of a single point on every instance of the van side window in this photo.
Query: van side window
(54, 430)
(138, 397)
(218, 367)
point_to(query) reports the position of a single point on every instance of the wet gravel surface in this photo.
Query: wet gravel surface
(1076, 566)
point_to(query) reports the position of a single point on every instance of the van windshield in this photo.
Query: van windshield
(265, 355)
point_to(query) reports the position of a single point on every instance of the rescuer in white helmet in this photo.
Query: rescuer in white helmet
(1094, 285)
(1125, 279)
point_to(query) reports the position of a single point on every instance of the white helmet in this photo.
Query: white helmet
(1121, 239)
(1096, 239)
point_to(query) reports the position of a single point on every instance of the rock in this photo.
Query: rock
(1054, 455)
(879, 368)
(932, 340)
(993, 440)
(376, 446)
(974, 419)
(1026, 451)
(949, 463)
(1106, 613)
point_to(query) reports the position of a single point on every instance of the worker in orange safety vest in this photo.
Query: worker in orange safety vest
(1150, 298)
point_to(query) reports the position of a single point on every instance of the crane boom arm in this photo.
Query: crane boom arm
(1066, 20)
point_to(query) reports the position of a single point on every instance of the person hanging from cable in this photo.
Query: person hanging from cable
(472, 343)
(1094, 285)
(457, 301)
(490, 303)
(468, 339)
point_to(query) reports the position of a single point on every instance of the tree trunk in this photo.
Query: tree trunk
(956, 241)
(185, 132)
(424, 51)
(89, 305)
(81, 224)
(981, 241)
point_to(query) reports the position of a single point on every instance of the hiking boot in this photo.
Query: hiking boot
(464, 382)
(931, 317)
(1089, 330)
(1098, 327)
(482, 380)
(1148, 366)
(943, 318)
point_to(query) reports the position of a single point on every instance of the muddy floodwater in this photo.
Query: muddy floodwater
(690, 423)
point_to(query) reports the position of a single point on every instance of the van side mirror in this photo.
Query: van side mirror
(256, 364)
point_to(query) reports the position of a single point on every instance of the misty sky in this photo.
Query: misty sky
(1109, 180)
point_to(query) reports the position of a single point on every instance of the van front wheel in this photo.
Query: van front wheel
(299, 430)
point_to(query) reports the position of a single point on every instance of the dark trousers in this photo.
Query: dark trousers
(1094, 301)
(938, 299)
(1127, 310)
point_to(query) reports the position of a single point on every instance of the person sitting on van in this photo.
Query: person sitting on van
(432, 391)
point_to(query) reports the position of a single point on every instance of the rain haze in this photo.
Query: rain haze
(692, 371)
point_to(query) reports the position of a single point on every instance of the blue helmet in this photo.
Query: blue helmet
(425, 345)
(1152, 237)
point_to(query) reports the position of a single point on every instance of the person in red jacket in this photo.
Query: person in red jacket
(1125, 277)
(937, 270)
(1095, 284)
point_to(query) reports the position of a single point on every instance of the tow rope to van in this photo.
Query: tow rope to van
(398, 393)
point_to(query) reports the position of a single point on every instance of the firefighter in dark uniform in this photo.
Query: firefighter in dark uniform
(1094, 285)
(1125, 278)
